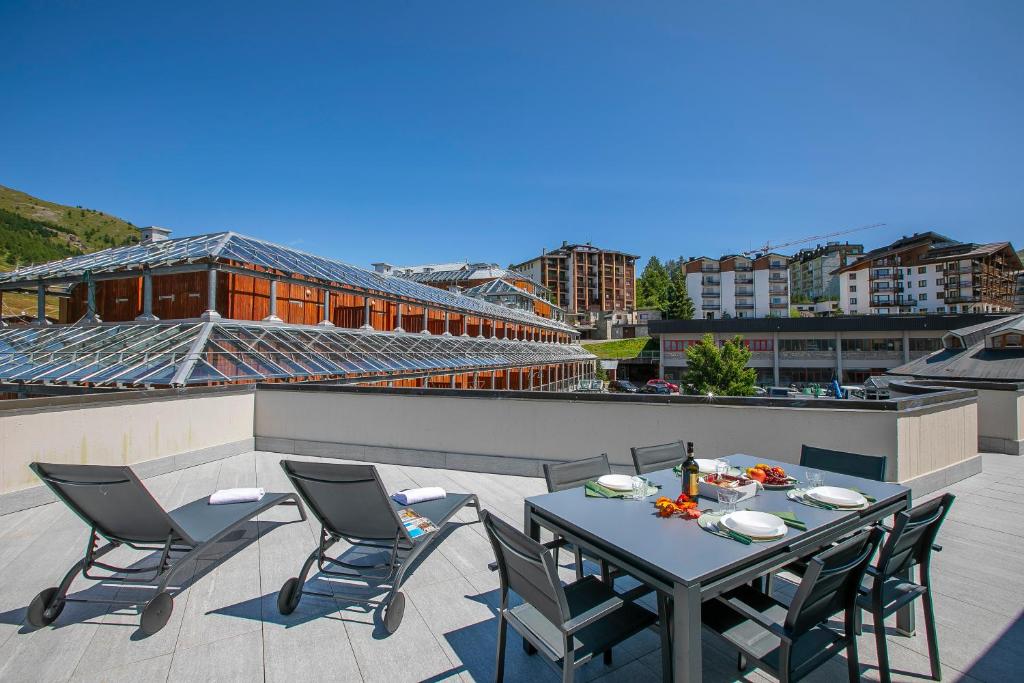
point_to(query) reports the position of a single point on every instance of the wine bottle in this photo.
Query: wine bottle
(691, 473)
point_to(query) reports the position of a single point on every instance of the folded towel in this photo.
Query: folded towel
(225, 496)
(413, 496)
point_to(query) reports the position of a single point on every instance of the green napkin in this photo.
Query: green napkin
(735, 535)
(868, 498)
(791, 520)
(594, 490)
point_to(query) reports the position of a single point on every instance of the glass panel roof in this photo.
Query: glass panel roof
(227, 246)
(199, 352)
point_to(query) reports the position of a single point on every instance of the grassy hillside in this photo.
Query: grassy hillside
(33, 230)
(620, 348)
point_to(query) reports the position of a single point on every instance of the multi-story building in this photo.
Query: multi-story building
(738, 286)
(1020, 290)
(803, 351)
(812, 271)
(225, 308)
(930, 273)
(585, 281)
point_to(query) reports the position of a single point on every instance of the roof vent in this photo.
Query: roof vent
(153, 234)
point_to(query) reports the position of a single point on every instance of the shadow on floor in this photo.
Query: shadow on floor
(101, 594)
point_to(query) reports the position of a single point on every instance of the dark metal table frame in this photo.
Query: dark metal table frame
(686, 595)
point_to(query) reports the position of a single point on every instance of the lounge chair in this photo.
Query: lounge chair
(116, 506)
(351, 504)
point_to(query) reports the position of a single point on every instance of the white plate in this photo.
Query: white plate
(837, 496)
(616, 482)
(755, 524)
(706, 466)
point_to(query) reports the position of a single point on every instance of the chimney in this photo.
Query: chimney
(382, 268)
(153, 234)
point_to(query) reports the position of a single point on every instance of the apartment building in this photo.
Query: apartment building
(931, 273)
(812, 271)
(804, 351)
(585, 280)
(738, 286)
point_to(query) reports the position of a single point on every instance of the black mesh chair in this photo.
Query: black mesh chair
(791, 642)
(117, 507)
(663, 457)
(569, 475)
(569, 624)
(351, 504)
(910, 543)
(855, 464)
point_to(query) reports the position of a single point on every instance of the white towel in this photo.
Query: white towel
(413, 496)
(225, 496)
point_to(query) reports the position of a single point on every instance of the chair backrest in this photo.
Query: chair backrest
(913, 534)
(349, 500)
(567, 475)
(527, 568)
(112, 500)
(831, 581)
(856, 465)
(662, 457)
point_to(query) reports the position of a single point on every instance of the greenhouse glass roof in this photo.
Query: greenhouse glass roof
(184, 353)
(230, 246)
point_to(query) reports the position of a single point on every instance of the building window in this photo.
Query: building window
(759, 344)
(872, 345)
(940, 309)
(923, 297)
(927, 344)
(807, 345)
(853, 301)
(922, 283)
(853, 288)
(940, 295)
(922, 269)
(938, 282)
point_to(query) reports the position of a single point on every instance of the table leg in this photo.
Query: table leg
(686, 632)
(530, 526)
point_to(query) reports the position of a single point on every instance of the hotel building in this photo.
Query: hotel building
(739, 286)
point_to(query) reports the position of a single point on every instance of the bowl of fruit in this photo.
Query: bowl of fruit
(770, 477)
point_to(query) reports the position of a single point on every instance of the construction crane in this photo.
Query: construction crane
(813, 238)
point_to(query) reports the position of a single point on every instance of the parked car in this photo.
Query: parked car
(655, 389)
(593, 386)
(760, 392)
(672, 388)
(623, 386)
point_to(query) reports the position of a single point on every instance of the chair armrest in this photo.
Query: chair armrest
(884, 527)
(756, 617)
(605, 608)
(936, 547)
(550, 545)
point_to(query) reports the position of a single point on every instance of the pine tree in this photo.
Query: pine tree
(652, 287)
(680, 305)
(720, 371)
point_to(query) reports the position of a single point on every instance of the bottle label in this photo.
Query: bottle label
(692, 489)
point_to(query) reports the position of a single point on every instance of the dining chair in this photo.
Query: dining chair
(792, 641)
(855, 464)
(910, 543)
(567, 475)
(567, 624)
(662, 457)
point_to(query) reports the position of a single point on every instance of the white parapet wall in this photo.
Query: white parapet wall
(929, 440)
(154, 431)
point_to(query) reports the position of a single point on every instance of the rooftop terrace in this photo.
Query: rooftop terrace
(225, 625)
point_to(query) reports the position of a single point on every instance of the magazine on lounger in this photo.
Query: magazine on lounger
(415, 524)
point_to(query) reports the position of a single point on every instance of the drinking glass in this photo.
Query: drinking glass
(721, 469)
(815, 479)
(639, 488)
(728, 498)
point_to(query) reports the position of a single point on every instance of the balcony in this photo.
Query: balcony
(712, 293)
(778, 278)
(744, 268)
(778, 304)
(958, 299)
(711, 281)
(744, 305)
(779, 291)
(711, 306)
(744, 292)
(710, 269)
(744, 280)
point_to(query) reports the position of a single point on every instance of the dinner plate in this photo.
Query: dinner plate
(837, 496)
(616, 482)
(706, 466)
(755, 524)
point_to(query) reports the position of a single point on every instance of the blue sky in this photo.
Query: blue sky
(427, 131)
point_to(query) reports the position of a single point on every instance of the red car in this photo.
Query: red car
(674, 388)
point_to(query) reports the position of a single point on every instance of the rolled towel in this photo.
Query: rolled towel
(413, 496)
(225, 496)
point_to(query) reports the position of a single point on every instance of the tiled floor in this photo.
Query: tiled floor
(225, 625)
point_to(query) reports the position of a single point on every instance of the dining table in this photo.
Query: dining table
(687, 565)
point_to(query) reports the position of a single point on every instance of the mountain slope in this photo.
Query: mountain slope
(33, 230)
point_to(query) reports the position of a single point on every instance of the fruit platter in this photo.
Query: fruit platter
(770, 477)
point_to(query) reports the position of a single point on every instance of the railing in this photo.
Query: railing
(744, 269)
(710, 281)
(745, 280)
(744, 305)
(711, 307)
(744, 292)
(709, 269)
(707, 292)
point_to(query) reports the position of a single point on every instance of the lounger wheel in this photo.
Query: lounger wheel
(289, 595)
(156, 613)
(394, 612)
(43, 610)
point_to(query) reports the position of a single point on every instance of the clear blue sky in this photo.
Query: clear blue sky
(426, 131)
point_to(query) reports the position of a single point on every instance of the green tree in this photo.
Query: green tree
(680, 305)
(652, 287)
(720, 371)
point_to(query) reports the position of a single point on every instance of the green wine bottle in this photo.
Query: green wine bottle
(691, 473)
